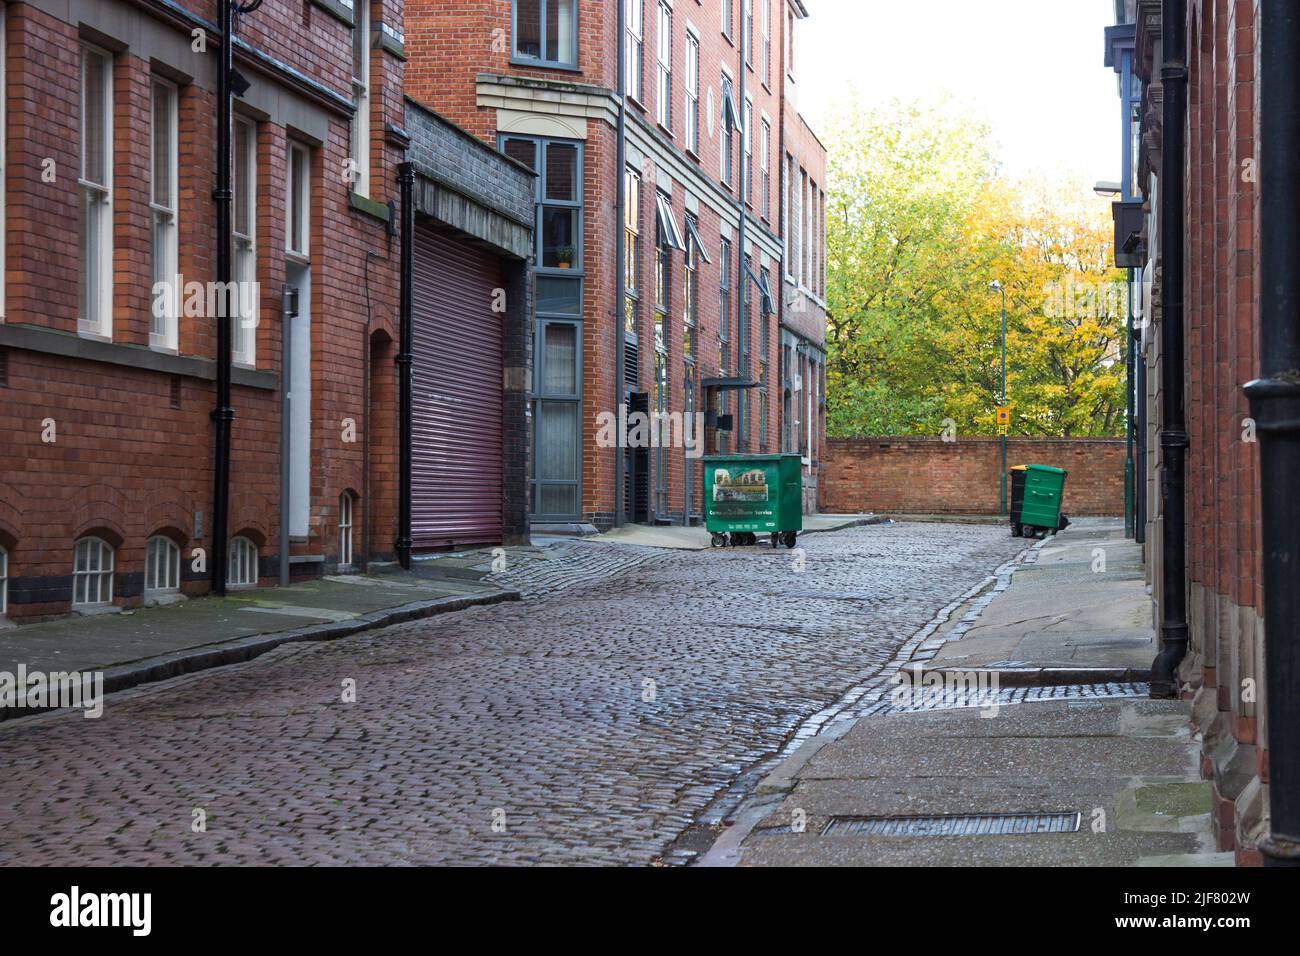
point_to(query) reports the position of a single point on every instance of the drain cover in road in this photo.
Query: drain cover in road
(982, 824)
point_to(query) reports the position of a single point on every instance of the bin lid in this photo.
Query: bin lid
(1047, 468)
(1019, 467)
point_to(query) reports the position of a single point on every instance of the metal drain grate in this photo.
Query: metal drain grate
(981, 824)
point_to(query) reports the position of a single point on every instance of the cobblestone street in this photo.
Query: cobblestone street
(595, 721)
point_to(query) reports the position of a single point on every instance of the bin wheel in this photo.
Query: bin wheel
(790, 538)
(718, 541)
(776, 539)
(747, 538)
(1017, 531)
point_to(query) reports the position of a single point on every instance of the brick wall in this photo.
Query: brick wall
(453, 44)
(1225, 597)
(931, 476)
(132, 455)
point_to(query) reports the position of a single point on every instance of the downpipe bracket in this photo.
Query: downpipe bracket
(1275, 403)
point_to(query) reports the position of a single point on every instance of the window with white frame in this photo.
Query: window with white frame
(728, 11)
(92, 572)
(345, 529)
(96, 188)
(789, 53)
(4, 572)
(664, 93)
(749, 31)
(244, 338)
(162, 566)
(765, 147)
(298, 199)
(635, 44)
(359, 167)
(747, 138)
(693, 93)
(767, 42)
(162, 207)
(242, 571)
(730, 119)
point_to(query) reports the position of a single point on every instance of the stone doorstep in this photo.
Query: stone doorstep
(187, 661)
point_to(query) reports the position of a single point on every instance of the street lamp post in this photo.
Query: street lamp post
(997, 286)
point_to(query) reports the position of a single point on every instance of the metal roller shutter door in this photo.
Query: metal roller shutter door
(456, 430)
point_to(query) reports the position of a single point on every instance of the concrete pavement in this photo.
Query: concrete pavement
(1079, 601)
(1096, 773)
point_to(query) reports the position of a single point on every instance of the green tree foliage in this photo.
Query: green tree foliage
(919, 222)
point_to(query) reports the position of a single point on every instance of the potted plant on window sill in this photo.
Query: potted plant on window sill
(565, 255)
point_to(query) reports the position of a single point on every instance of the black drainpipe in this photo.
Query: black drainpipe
(406, 180)
(1275, 405)
(620, 280)
(222, 414)
(742, 313)
(1173, 431)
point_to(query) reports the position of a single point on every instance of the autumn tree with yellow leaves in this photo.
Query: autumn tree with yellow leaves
(918, 224)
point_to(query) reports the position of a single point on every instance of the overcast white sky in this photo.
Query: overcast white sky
(1031, 68)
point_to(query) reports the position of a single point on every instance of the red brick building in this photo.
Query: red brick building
(700, 304)
(1211, 166)
(106, 478)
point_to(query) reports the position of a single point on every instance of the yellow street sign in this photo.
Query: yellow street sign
(1004, 416)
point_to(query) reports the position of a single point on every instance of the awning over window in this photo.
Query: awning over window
(764, 290)
(730, 111)
(694, 235)
(670, 235)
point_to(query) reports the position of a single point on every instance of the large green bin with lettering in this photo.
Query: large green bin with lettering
(750, 495)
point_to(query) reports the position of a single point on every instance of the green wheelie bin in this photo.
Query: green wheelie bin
(1040, 511)
(749, 495)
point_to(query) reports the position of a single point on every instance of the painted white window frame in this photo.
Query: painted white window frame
(92, 572)
(345, 529)
(97, 281)
(747, 15)
(165, 228)
(729, 121)
(634, 57)
(692, 87)
(747, 144)
(765, 166)
(664, 58)
(242, 570)
(298, 190)
(361, 98)
(4, 568)
(162, 566)
(243, 341)
(767, 42)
